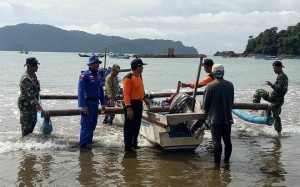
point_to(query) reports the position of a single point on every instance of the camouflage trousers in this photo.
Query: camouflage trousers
(276, 107)
(28, 116)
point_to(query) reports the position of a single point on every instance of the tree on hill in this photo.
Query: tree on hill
(275, 43)
(36, 37)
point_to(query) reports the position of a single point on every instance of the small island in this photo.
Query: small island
(271, 43)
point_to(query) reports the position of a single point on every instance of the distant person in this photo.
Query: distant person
(28, 101)
(208, 63)
(134, 95)
(276, 97)
(218, 100)
(111, 88)
(90, 91)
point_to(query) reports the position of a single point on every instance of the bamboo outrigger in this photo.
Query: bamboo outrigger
(119, 110)
(120, 97)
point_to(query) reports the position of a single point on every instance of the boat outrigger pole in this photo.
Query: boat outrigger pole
(108, 110)
(150, 95)
(197, 79)
(119, 110)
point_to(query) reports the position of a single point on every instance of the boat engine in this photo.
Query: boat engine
(184, 103)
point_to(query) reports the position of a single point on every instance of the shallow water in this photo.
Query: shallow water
(258, 158)
(254, 162)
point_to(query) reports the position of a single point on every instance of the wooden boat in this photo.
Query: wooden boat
(158, 126)
(168, 132)
(89, 55)
(119, 56)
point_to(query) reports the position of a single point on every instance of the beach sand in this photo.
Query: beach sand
(261, 161)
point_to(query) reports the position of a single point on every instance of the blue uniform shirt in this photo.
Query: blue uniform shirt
(90, 89)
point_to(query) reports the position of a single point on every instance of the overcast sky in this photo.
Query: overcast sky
(207, 25)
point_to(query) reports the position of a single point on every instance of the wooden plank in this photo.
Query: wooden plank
(197, 80)
(155, 117)
(183, 117)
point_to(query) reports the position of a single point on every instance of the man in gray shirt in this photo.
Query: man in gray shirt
(217, 103)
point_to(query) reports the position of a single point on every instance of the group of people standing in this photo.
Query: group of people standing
(218, 100)
(90, 91)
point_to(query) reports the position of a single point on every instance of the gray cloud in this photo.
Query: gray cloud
(209, 26)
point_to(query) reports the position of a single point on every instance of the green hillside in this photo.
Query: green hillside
(35, 37)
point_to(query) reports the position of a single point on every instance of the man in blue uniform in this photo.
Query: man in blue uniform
(90, 91)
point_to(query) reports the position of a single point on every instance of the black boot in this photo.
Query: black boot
(105, 121)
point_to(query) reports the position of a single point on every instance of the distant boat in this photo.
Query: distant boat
(119, 56)
(272, 58)
(93, 54)
(24, 52)
(259, 57)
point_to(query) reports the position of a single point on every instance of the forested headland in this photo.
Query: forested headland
(271, 42)
(37, 37)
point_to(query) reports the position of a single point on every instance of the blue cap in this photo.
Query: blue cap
(92, 60)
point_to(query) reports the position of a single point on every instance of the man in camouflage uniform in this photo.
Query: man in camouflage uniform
(28, 101)
(111, 88)
(276, 97)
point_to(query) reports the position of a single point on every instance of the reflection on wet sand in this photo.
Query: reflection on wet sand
(130, 172)
(219, 177)
(88, 174)
(273, 167)
(259, 163)
(30, 173)
(27, 174)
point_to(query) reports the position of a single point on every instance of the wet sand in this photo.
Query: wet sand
(261, 161)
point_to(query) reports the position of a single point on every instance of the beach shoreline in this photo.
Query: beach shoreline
(257, 161)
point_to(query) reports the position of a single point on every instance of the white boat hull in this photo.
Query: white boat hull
(166, 132)
(166, 140)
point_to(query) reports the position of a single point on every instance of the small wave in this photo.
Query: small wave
(34, 142)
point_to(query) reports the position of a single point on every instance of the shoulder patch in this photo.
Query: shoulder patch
(81, 77)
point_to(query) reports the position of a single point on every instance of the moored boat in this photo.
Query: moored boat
(119, 56)
(93, 54)
(272, 58)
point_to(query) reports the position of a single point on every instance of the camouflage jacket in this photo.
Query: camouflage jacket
(29, 87)
(280, 87)
(111, 86)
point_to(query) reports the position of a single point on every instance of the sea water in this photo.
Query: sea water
(257, 158)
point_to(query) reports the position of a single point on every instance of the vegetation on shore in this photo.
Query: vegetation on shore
(272, 42)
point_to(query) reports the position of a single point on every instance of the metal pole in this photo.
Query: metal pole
(105, 57)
